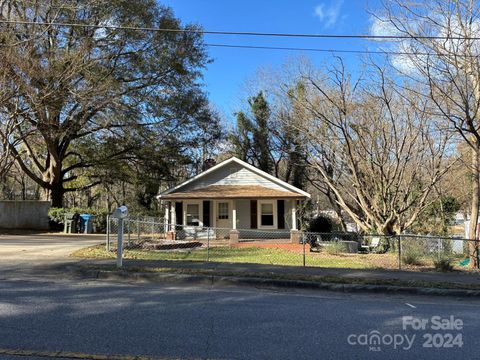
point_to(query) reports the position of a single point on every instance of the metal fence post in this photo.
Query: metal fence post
(128, 229)
(440, 248)
(477, 254)
(120, 243)
(399, 252)
(208, 244)
(153, 227)
(138, 229)
(303, 244)
(107, 245)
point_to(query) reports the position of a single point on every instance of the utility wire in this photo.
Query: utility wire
(242, 33)
(331, 51)
(387, 52)
(223, 45)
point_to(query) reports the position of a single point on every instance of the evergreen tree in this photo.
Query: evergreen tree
(297, 152)
(261, 132)
(241, 138)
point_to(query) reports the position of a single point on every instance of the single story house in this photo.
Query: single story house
(233, 199)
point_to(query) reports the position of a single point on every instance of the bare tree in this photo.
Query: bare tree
(374, 147)
(6, 160)
(443, 59)
(9, 124)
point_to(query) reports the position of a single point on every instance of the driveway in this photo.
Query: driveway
(25, 253)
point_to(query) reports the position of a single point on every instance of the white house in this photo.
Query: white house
(233, 196)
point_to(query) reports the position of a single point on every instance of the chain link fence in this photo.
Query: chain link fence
(135, 231)
(440, 253)
(152, 238)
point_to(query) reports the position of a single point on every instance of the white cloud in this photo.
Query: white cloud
(381, 27)
(409, 64)
(329, 13)
(403, 63)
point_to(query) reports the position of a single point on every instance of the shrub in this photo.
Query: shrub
(56, 214)
(320, 224)
(443, 264)
(411, 255)
(411, 258)
(335, 248)
(414, 250)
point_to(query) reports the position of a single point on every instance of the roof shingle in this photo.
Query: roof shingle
(232, 192)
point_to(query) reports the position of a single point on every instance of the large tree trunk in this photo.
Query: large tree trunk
(472, 231)
(54, 177)
(56, 195)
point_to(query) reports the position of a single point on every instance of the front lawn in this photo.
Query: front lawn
(252, 255)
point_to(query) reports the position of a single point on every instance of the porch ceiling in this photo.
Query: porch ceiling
(233, 192)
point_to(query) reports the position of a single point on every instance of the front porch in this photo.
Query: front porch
(233, 219)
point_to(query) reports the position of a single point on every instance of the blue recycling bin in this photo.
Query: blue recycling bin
(86, 223)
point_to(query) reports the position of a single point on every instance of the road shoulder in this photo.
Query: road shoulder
(222, 276)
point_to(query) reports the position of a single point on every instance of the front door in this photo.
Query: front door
(224, 217)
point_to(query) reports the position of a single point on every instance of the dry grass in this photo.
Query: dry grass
(272, 256)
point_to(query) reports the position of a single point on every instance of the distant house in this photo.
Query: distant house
(233, 196)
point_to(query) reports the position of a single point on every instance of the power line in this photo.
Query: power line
(342, 51)
(332, 51)
(373, 52)
(258, 47)
(241, 33)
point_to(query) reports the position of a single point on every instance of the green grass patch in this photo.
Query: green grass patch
(242, 255)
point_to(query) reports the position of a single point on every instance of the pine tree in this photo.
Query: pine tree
(241, 138)
(261, 133)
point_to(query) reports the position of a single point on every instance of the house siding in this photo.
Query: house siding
(232, 174)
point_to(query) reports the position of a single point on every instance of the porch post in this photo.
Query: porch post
(294, 215)
(174, 216)
(167, 216)
(234, 214)
(171, 234)
(294, 233)
(184, 214)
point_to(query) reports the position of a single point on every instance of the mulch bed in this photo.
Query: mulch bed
(169, 245)
(296, 248)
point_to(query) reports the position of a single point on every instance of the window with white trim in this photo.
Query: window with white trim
(266, 214)
(223, 211)
(193, 214)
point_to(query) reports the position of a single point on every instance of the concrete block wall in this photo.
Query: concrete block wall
(26, 214)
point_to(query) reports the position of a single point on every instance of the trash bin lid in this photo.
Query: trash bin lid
(69, 216)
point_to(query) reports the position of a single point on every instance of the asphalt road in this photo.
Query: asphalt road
(27, 254)
(45, 316)
(94, 317)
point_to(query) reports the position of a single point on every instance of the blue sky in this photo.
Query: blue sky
(225, 77)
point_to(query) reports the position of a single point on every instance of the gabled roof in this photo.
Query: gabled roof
(253, 169)
(233, 192)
